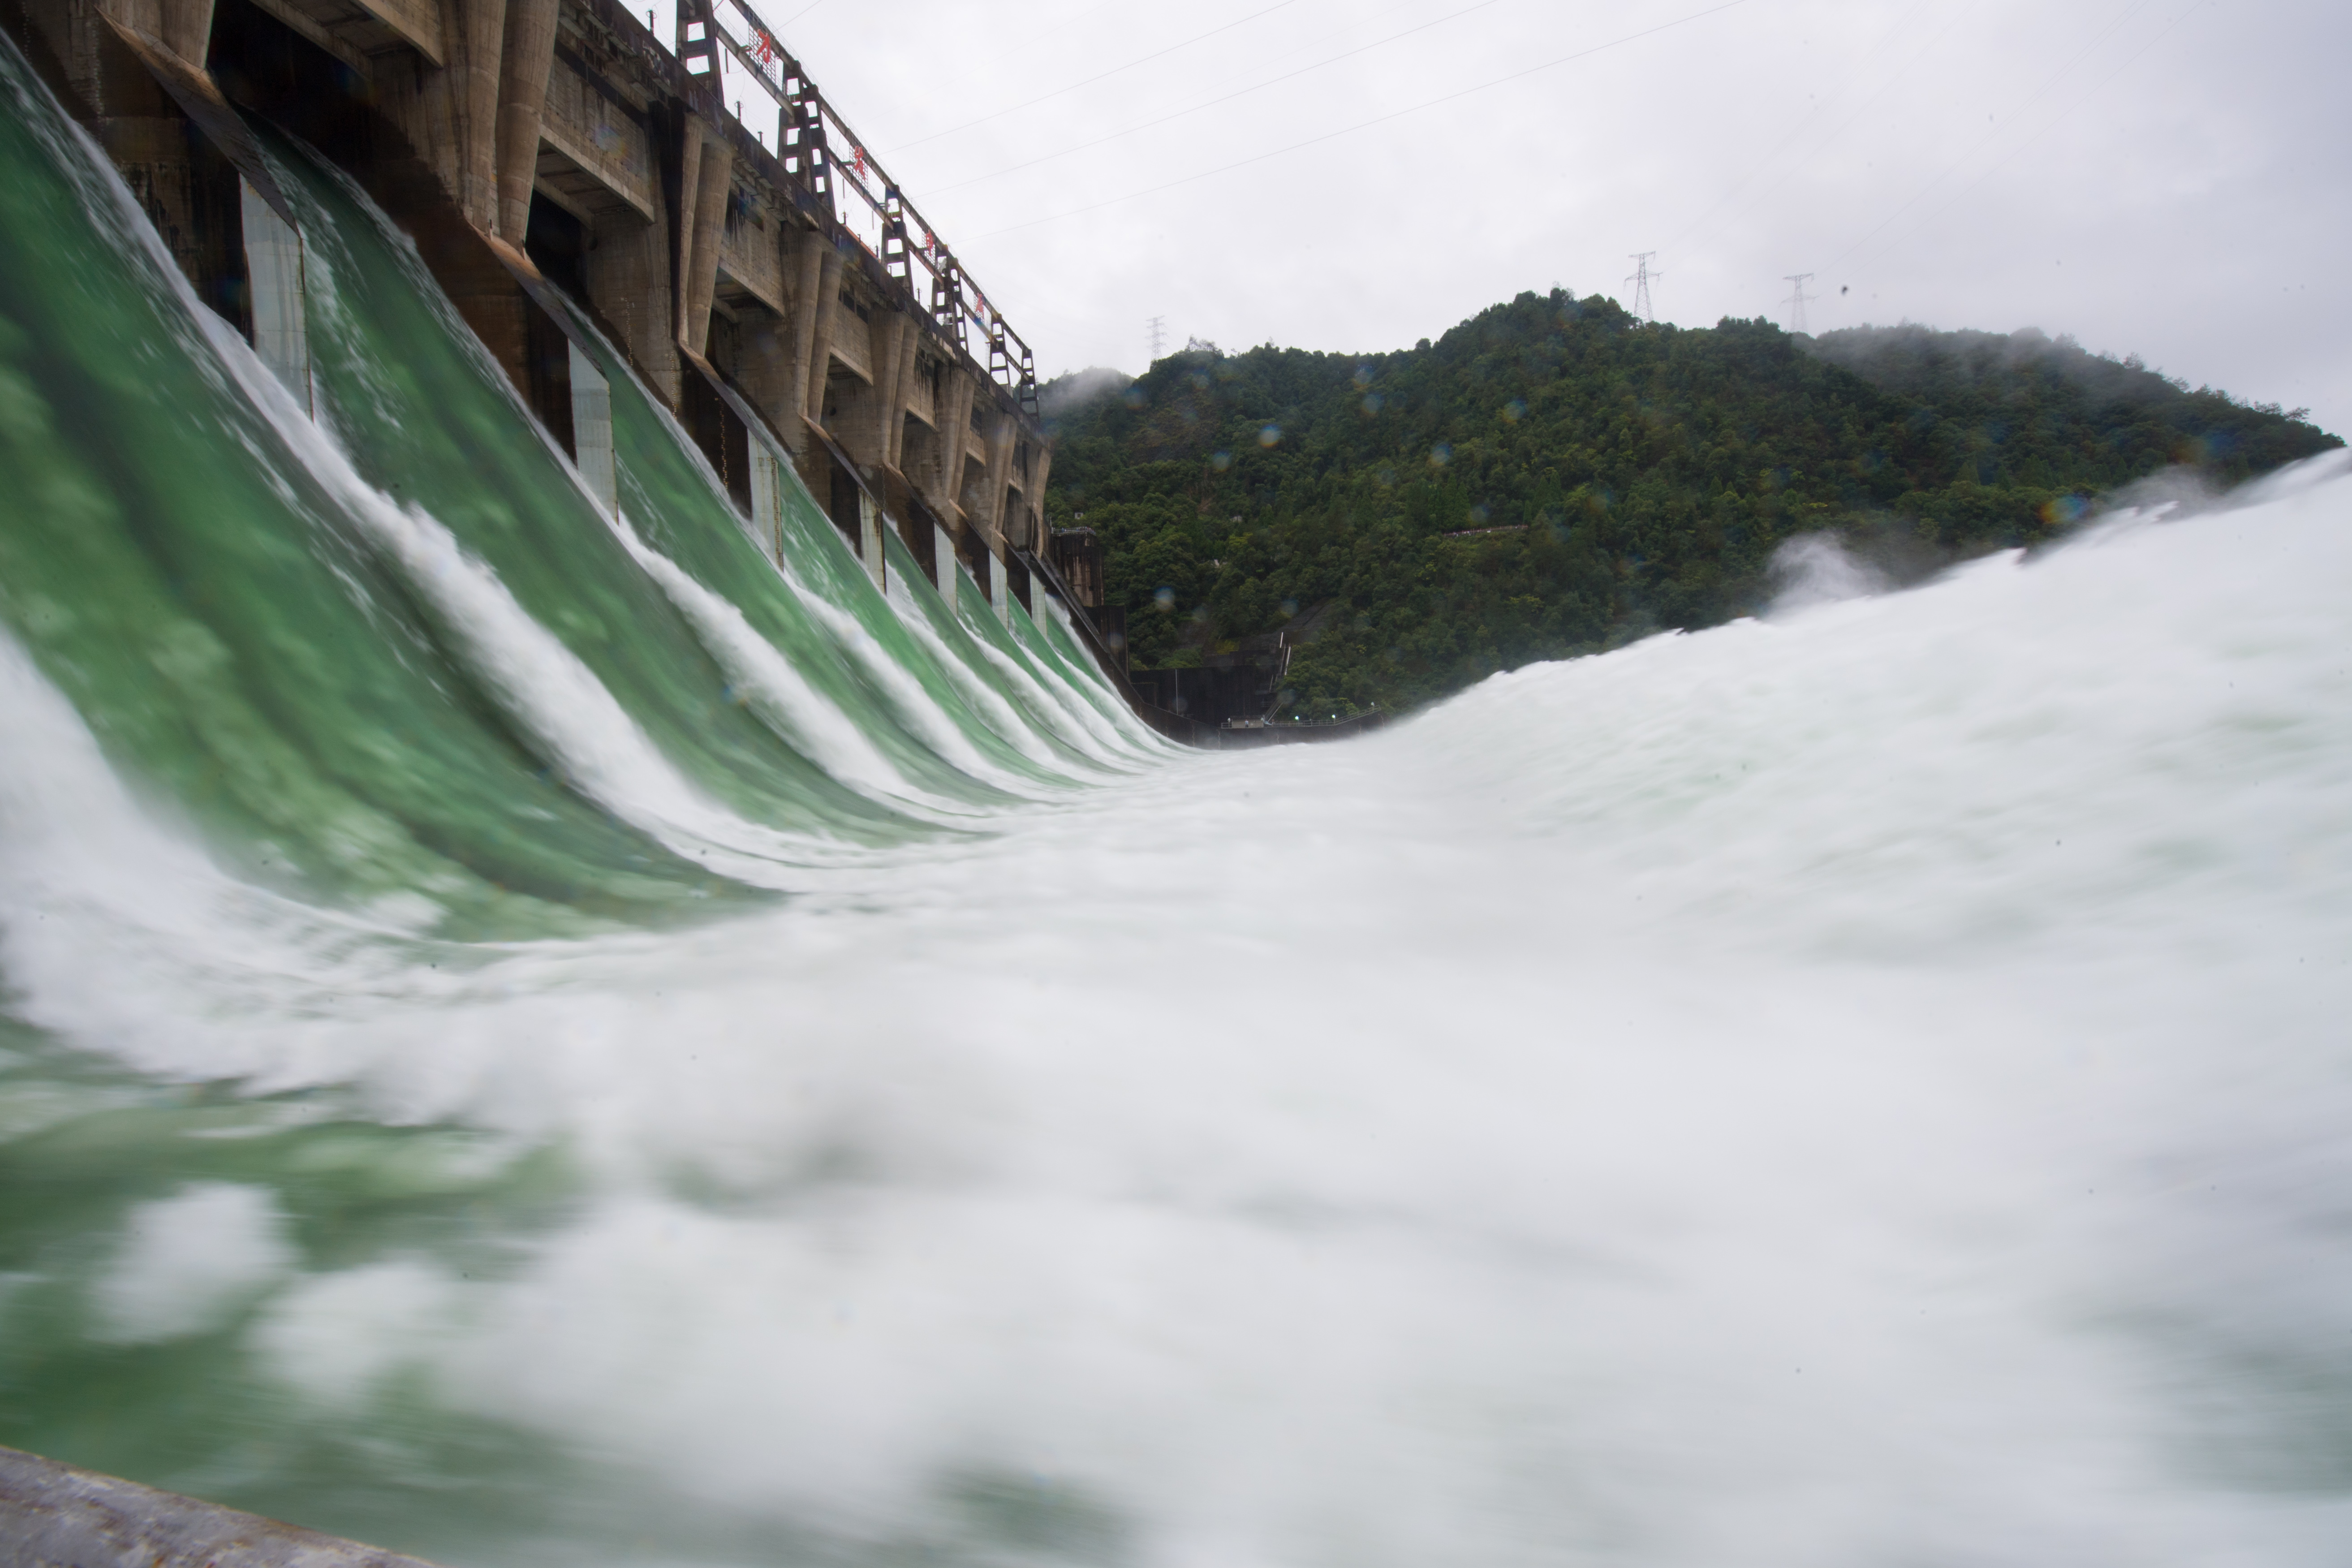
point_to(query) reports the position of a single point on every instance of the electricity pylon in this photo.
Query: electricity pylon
(1797, 298)
(1641, 280)
(1159, 336)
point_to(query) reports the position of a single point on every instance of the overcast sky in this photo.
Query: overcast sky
(2164, 177)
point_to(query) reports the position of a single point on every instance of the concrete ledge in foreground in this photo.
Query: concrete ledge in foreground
(54, 1516)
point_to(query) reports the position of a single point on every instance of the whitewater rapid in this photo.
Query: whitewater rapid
(1861, 1086)
(535, 1037)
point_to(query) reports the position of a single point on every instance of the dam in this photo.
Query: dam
(758, 275)
(569, 995)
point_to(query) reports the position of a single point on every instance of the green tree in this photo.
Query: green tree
(1554, 477)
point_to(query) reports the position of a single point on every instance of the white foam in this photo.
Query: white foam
(186, 1263)
(335, 1337)
(906, 696)
(1097, 689)
(1058, 711)
(1861, 1087)
(783, 696)
(992, 707)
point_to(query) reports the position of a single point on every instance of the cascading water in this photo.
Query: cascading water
(535, 1037)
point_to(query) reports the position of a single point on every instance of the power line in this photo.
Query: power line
(2073, 102)
(1796, 301)
(1641, 280)
(1772, 158)
(1159, 337)
(1090, 81)
(1367, 124)
(2035, 96)
(1209, 104)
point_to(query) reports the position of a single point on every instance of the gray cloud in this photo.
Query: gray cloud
(2162, 177)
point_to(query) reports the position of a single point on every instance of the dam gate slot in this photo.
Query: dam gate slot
(548, 354)
(722, 438)
(841, 499)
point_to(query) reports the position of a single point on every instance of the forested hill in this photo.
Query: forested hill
(1555, 477)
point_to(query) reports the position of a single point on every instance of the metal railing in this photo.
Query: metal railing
(817, 148)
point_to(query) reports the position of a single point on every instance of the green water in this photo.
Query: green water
(533, 1038)
(431, 421)
(232, 636)
(193, 589)
(394, 670)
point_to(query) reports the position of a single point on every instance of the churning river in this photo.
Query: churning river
(531, 1038)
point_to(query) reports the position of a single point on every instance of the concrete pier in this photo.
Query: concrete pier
(54, 1516)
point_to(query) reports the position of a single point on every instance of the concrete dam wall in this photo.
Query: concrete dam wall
(758, 271)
